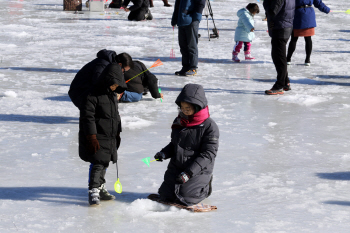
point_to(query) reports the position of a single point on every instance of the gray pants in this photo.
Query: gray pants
(188, 40)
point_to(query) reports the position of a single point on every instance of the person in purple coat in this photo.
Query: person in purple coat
(304, 26)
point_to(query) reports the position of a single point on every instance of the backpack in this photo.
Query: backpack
(88, 76)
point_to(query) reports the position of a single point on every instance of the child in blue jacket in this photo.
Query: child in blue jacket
(245, 31)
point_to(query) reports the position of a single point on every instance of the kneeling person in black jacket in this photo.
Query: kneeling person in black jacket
(139, 83)
(139, 11)
(192, 150)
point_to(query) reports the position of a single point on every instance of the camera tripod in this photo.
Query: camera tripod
(208, 11)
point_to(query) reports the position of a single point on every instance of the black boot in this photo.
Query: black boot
(166, 3)
(94, 196)
(104, 194)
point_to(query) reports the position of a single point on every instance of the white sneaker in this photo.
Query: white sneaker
(307, 64)
(289, 63)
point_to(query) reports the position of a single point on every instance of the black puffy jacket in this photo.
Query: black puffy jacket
(280, 17)
(88, 76)
(192, 150)
(99, 115)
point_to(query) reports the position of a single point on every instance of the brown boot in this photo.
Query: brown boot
(166, 3)
(151, 3)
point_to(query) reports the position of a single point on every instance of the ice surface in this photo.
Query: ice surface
(283, 161)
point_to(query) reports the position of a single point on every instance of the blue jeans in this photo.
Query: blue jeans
(188, 41)
(131, 97)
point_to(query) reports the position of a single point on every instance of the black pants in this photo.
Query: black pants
(188, 42)
(279, 58)
(140, 14)
(293, 43)
(97, 174)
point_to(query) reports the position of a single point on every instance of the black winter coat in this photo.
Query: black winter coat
(99, 115)
(137, 4)
(192, 150)
(145, 80)
(88, 76)
(280, 17)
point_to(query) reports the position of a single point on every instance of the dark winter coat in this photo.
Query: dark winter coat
(88, 76)
(191, 150)
(137, 4)
(146, 80)
(305, 17)
(99, 115)
(186, 11)
(280, 16)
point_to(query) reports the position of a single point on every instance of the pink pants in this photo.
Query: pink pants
(239, 44)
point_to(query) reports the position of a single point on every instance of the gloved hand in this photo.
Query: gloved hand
(183, 178)
(93, 145)
(159, 156)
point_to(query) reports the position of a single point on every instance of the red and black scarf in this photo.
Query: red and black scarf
(183, 121)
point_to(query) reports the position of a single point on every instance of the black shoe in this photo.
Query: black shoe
(274, 91)
(287, 87)
(148, 15)
(180, 73)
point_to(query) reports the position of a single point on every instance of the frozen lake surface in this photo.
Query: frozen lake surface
(283, 163)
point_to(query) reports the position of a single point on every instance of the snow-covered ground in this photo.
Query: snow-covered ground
(283, 163)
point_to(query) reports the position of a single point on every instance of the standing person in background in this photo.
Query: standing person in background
(139, 11)
(244, 33)
(166, 3)
(304, 26)
(187, 16)
(280, 16)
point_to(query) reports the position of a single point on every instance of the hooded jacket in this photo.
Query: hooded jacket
(88, 76)
(193, 150)
(280, 16)
(306, 17)
(244, 25)
(187, 11)
(99, 115)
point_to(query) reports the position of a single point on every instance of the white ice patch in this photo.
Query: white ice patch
(135, 122)
(269, 138)
(10, 94)
(306, 100)
(272, 124)
(7, 46)
(150, 209)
